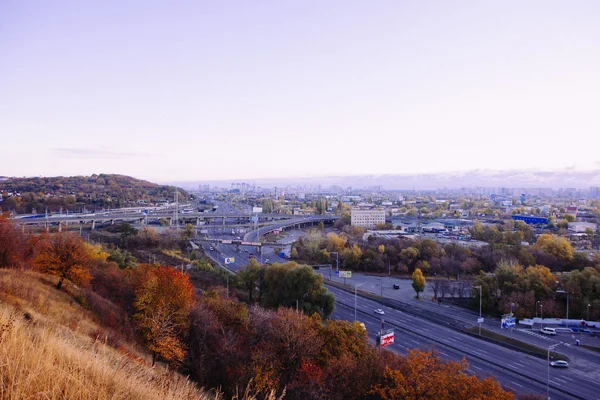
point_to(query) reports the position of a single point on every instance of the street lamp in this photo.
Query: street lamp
(479, 320)
(587, 318)
(551, 347)
(337, 260)
(355, 289)
(536, 307)
(567, 292)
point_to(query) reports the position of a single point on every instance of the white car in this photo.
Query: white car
(379, 311)
(559, 364)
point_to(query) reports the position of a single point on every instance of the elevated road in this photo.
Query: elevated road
(294, 223)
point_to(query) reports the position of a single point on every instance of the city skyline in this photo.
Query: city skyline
(205, 92)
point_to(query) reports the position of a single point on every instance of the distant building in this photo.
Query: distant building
(367, 218)
(531, 220)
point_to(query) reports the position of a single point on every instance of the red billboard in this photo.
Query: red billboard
(387, 339)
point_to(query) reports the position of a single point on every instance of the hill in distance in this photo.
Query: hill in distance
(26, 195)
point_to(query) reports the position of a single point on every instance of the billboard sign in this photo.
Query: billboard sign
(230, 260)
(507, 322)
(345, 274)
(387, 338)
(254, 218)
(256, 209)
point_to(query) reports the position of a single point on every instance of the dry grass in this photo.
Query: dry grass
(46, 351)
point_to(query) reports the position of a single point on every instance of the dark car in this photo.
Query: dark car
(396, 286)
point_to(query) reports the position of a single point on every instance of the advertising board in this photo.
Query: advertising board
(387, 338)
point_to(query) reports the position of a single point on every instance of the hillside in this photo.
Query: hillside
(51, 347)
(25, 195)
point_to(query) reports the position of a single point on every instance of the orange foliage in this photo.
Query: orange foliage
(12, 244)
(423, 376)
(65, 256)
(164, 297)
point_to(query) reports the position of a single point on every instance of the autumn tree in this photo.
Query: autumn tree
(163, 300)
(64, 255)
(12, 244)
(336, 242)
(418, 281)
(556, 246)
(423, 376)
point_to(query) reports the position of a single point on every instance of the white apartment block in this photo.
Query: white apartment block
(368, 218)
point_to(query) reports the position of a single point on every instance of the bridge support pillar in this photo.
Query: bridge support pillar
(93, 224)
(60, 226)
(197, 221)
(112, 221)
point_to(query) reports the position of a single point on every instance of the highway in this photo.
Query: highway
(424, 327)
(517, 371)
(520, 372)
(580, 358)
(404, 340)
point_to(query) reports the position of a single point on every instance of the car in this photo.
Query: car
(559, 364)
(396, 286)
(548, 331)
(212, 248)
(379, 311)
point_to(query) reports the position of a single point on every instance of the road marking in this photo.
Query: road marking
(444, 354)
(562, 380)
(515, 383)
(519, 364)
(476, 367)
(415, 342)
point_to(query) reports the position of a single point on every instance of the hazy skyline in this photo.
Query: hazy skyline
(184, 91)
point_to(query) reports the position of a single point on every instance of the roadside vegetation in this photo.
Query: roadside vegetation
(534, 277)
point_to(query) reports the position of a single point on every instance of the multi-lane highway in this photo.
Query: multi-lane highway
(425, 328)
(520, 372)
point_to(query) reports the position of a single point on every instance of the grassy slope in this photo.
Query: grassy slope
(51, 348)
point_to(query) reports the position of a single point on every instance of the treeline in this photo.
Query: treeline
(532, 277)
(234, 346)
(535, 290)
(226, 344)
(25, 195)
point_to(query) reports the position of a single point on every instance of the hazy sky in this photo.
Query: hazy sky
(193, 90)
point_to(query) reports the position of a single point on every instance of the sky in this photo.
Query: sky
(213, 90)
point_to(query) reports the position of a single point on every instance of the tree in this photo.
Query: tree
(163, 300)
(12, 244)
(418, 281)
(247, 277)
(291, 284)
(423, 376)
(123, 258)
(336, 242)
(556, 246)
(126, 231)
(65, 256)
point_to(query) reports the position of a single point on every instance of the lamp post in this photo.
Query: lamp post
(355, 289)
(567, 292)
(479, 320)
(548, 376)
(536, 307)
(587, 318)
(337, 260)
